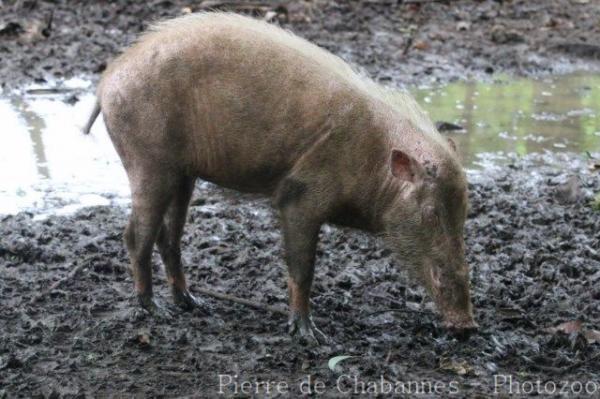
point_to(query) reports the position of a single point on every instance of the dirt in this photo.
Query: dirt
(397, 43)
(535, 264)
(532, 236)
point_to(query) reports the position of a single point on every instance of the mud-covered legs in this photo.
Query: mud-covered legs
(169, 243)
(159, 209)
(148, 208)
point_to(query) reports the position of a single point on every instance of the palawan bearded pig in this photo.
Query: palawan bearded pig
(248, 106)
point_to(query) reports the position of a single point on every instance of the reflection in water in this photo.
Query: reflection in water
(560, 113)
(35, 126)
(48, 165)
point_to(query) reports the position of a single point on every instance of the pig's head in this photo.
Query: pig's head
(424, 227)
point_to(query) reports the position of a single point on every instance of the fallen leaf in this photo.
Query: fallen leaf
(568, 327)
(335, 360)
(421, 45)
(457, 367)
(592, 336)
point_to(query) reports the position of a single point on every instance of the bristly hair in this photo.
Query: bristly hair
(403, 102)
(410, 251)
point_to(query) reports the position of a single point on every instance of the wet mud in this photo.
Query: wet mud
(70, 326)
(398, 43)
(532, 243)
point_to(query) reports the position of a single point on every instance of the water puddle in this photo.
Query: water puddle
(522, 116)
(48, 166)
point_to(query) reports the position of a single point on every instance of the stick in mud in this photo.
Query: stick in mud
(217, 295)
(241, 301)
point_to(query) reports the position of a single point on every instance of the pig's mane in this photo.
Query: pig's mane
(403, 102)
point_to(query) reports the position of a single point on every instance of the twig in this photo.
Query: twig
(582, 362)
(241, 301)
(57, 284)
(562, 369)
(50, 90)
(218, 4)
(408, 44)
(395, 302)
(394, 310)
(392, 300)
(423, 1)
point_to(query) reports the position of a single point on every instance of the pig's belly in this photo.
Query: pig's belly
(263, 180)
(249, 155)
(244, 168)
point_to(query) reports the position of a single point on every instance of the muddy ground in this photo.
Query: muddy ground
(535, 264)
(532, 242)
(400, 43)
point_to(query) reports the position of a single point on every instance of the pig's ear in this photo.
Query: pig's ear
(405, 167)
(451, 143)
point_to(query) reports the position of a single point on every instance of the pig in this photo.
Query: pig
(251, 107)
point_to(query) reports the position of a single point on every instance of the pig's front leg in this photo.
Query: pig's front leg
(301, 231)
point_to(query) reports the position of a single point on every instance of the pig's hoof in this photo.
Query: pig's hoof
(463, 333)
(304, 330)
(185, 300)
(155, 308)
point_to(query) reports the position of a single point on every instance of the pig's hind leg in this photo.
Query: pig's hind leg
(169, 244)
(151, 195)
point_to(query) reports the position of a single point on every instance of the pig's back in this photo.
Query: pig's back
(237, 100)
